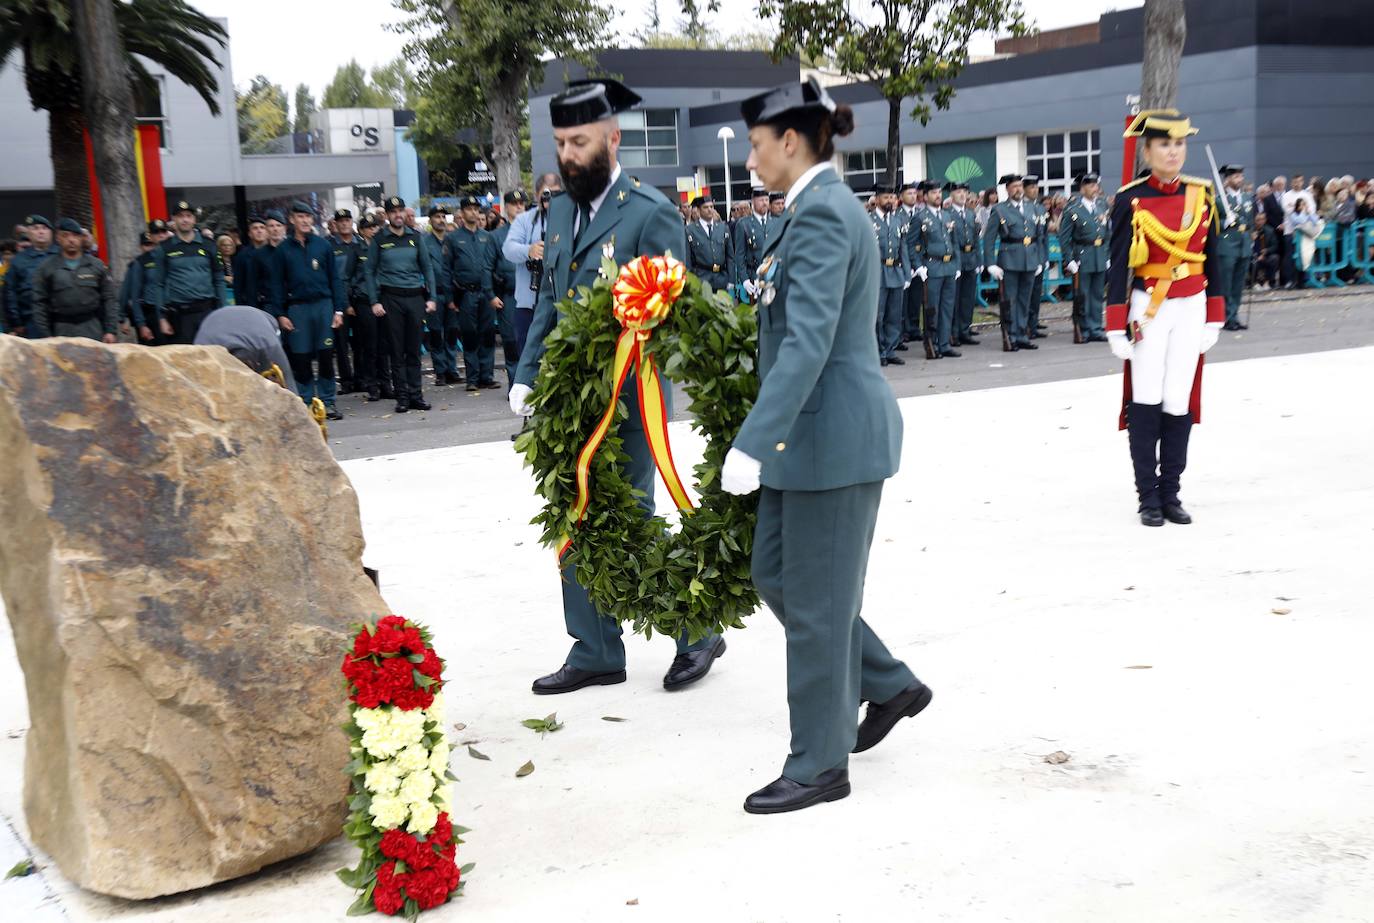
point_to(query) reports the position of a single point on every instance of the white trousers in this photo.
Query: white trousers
(1164, 363)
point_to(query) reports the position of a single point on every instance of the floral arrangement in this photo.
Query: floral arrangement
(398, 801)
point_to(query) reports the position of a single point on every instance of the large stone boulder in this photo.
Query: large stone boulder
(180, 557)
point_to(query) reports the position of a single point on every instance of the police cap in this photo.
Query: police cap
(145, 239)
(469, 201)
(881, 189)
(777, 196)
(1227, 169)
(157, 226)
(35, 220)
(183, 206)
(275, 214)
(69, 225)
(1008, 178)
(757, 191)
(588, 101)
(255, 219)
(1087, 178)
(436, 209)
(394, 202)
(516, 197)
(912, 187)
(702, 201)
(769, 105)
(1030, 179)
(340, 213)
(300, 208)
(365, 222)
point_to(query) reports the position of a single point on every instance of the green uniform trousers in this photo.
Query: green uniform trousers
(598, 646)
(810, 558)
(1233, 270)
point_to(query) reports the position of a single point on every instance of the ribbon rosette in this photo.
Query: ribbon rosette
(643, 295)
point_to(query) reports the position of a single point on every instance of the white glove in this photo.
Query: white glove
(922, 273)
(995, 272)
(750, 287)
(519, 395)
(739, 474)
(980, 270)
(1039, 270)
(906, 285)
(1072, 267)
(957, 273)
(1210, 334)
(1109, 264)
(1121, 347)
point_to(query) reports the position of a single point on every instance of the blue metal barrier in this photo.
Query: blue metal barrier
(1357, 250)
(1324, 260)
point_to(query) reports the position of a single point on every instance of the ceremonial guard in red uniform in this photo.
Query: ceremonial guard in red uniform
(1163, 312)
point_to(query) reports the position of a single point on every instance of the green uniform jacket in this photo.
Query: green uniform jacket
(751, 236)
(934, 233)
(825, 416)
(398, 261)
(966, 237)
(911, 241)
(185, 271)
(130, 295)
(708, 255)
(634, 219)
(73, 296)
(1042, 233)
(19, 285)
(1083, 236)
(503, 275)
(1019, 235)
(436, 250)
(893, 262)
(1235, 241)
(470, 259)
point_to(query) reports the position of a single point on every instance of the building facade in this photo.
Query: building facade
(1278, 86)
(351, 154)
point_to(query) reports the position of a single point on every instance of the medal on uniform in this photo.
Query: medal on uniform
(1026, 241)
(314, 264)
(768, 295)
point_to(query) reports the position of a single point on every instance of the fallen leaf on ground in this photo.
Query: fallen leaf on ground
(613, 718)
(632, 902)
(477, 754)
(544, 725)
(1057, 757)
(525, 770)
(1280, 611)
(1140, 666)
(460, 726)
(21, 868)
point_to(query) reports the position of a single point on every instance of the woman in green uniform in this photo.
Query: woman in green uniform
(820, 440)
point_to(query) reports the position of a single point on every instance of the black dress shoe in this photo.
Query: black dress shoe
(883, 363)
(901, 347)
(882, 717)
(472, 386)
(439, 380)
(968, 341)
(689, 667)
(1041, 327)
(1175, 513)
(784, 795)
(1151, 516)
(419, 403)
(373, 397)
(1037, 335)
(1098, 338)
(453, 378)
(1241, 326)
(950, 353)
(490, 384)
(896, 361)
(402, 405)
(1229, 325)
(332, 413)
(388, 394)
(1029, 345)
(570, 679)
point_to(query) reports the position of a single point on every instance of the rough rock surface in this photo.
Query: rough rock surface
(180, 558)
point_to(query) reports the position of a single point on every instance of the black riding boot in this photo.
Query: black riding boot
(1173, 458)
(1142, 426)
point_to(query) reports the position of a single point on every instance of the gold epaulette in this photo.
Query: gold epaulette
(1132, 184)
(1195, 180)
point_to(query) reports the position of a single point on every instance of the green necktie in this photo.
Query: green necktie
(584, 218)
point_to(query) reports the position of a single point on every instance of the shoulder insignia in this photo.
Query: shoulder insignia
(1133, 183)
(620, 196)
(635, 181)
(1195, 180)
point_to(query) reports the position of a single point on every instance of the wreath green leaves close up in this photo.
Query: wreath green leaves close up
(694, 580)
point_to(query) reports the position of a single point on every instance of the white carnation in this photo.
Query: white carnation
(422, 818)
(438, 759)
(436, 709)
(417, 787)
(388, 811)
(445, 804)
(412, 758)
(391, 731)
(383, 778)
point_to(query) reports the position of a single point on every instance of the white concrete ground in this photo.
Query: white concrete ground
(1211, 685)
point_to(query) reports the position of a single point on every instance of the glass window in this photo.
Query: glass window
(865, 169)
(148, 111)
(1058, 157)
(656, 146)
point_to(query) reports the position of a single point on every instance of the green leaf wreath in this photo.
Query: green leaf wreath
(694, 580)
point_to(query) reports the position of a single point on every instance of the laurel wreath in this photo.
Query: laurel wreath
(694, 580)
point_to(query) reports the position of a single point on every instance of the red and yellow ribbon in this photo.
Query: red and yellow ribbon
(643, 295)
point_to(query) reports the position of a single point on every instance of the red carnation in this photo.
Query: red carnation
(362, 644)
(428, 888)
(386, 896)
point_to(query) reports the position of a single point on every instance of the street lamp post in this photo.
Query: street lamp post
(725, 134)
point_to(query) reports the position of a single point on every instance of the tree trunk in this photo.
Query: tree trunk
(506, 101)
(109, 109)
(1166, 29)
(67, 150)
(894, 141)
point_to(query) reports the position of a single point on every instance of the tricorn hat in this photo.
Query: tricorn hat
(588, 101)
